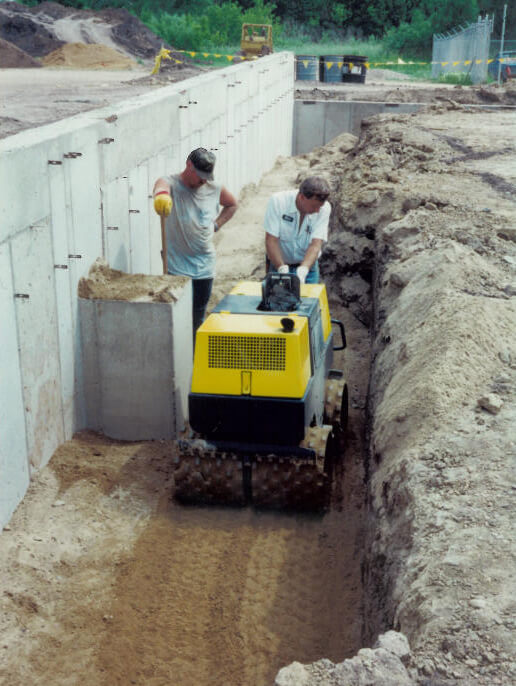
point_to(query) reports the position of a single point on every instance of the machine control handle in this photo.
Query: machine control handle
(342, 335)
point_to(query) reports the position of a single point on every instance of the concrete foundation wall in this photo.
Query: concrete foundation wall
(316, 122)
(79, 189)
(137, 362)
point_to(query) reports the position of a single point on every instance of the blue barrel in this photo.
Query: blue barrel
(330, 68)
(306, 67)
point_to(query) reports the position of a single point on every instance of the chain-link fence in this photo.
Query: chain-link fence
(464, 50)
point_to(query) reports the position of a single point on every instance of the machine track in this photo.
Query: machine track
(300, 480)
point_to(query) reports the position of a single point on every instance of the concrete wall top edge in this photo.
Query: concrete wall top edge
(76, 122)
(47, 132)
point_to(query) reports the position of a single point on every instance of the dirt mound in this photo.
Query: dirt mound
(46, 27)
(422, 93)
(31, 35)
(82, 56)
(11, 56)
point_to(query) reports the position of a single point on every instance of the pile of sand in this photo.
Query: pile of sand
(92, 56)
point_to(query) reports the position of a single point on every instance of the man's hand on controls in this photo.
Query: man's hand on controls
(302, 272)
(163, 203)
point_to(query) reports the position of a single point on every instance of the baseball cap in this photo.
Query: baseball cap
(203, 161)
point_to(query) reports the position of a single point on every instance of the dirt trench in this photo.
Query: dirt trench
(103, 574)
(106, 571)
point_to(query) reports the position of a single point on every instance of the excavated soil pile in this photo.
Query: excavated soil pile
(46, 27)
(424, 224)
(491, 94)
(82, 56)
(11, 56)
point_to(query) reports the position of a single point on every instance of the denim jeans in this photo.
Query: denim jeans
(201, 291)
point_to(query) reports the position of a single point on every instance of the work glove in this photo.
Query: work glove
(283, 269)
(301, 273)
(163, 203)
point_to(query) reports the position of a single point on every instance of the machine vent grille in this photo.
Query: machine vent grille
(246, 352)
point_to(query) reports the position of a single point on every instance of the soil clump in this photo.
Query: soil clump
(12, 56)
(105, 283)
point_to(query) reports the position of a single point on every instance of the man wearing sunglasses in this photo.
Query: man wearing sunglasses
(194, 207)
(296, 226)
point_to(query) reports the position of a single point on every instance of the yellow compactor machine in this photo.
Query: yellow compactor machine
(265, 405)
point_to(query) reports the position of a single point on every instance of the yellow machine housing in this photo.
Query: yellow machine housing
(256, 40)
(246, 354)
(255, 368)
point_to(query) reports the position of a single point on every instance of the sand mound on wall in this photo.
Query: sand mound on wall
(13, 57)
(105, 283)
(92, 56)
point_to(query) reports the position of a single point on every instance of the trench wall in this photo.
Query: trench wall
(79, 189)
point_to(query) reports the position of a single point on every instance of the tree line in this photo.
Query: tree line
(404, 26)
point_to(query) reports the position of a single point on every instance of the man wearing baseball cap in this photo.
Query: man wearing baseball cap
(194, 208)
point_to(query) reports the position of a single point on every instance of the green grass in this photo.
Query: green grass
(455, 78)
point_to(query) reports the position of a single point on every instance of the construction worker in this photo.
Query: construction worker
(195, 208)
(296, 226)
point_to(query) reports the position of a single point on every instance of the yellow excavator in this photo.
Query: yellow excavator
(265, 406)
(256, 40)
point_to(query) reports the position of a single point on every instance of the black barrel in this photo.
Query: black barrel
(354, 68)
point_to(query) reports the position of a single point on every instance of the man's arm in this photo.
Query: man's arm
(273, 250)
(161, 185)
(312, 253)
(229, 207)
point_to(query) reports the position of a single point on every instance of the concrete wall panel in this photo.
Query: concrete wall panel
(23, 202)
(38, 341)
(138, 128)
(84, 197)
(64, 298)
(136, 354)
(139, 238)
(158, 166)
(14, 471)
(115, 212)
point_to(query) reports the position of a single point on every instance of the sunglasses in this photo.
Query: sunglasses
(322, 197)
